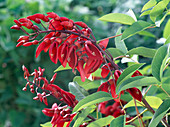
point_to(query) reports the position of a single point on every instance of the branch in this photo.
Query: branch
(152, 111)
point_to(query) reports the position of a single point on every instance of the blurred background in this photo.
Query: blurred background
(17, 108)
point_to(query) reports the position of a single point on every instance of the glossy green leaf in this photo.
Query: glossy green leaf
(61, 68)
(101, 122)
(94, 98)
(87, 85)
(118, 18)
(132, 14)
(115, 52)
(167, 40)
(135, 28)
(127, 73)
(118, 122)
(146, 33)
(158, 23)
(160, 112)
(119, 43)
(77, 90)
(158, 62)
(81, 116)
(48, 124)
(166, 31)
(149, 4)
(153, 101)
(158, 9)
(145, 13)
(135, 82)
(142, 51)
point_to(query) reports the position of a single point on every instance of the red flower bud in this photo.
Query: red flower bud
(18, 23)
(53, 15)
(27, 44)
(82, 24)
(26, 38)
(53, 78)
(35, 42)
(20, 43)
(64, 19)
(15, 27)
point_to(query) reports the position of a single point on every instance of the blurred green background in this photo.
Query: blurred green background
(17, 108)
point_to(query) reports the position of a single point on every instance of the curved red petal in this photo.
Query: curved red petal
(40, 48)
(135, 92)
(81, 70)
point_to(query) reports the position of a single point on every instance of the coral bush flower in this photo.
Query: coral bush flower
(60, 115)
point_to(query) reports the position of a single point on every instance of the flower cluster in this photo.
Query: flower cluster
(47, 88)
(59, 115)
(71, 43)
(67, 41)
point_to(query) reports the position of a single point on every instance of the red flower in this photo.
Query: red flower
(72, 57)
(92, 51)
(81, 70)
(114, 110)
(103, 44)
(105, 70)
(63, 53)
(59, 115)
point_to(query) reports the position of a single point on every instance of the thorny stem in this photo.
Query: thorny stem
(152, 111)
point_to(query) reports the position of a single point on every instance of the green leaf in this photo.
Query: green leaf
(101, 122)
(61, 68)
(127, 73)
(135, 28)
(149, 4)
(158, 23)
(118, 18)
(47, 124)
(135, 82)
(145, 13)
(77, 90)
(142, 51)
(115, 52)
(153, 101)
(166, 31)
(92, 99)
(81, 116)
(118, 122)
(160, 112)
(87, 85)
(119, 43)
(158, 62)
(158, 9)
(167, 40)
(146, 33)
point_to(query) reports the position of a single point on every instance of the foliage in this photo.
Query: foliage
(109, 88)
